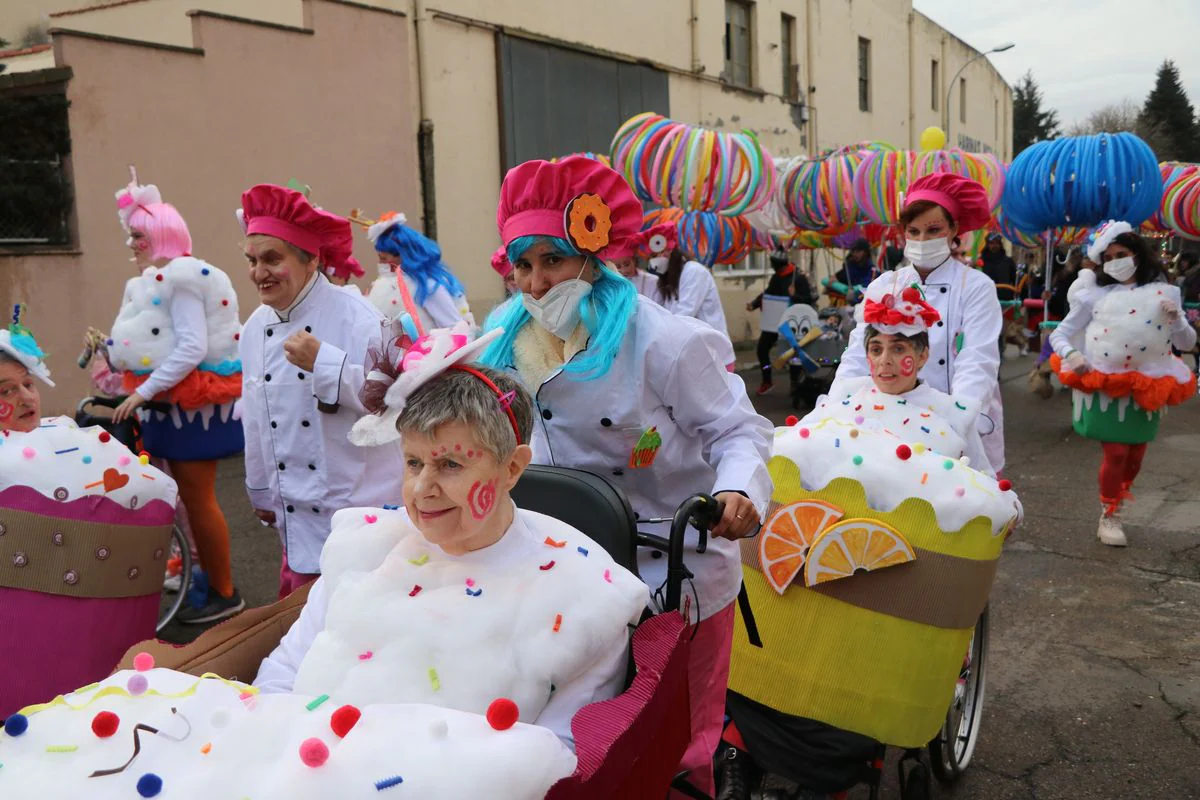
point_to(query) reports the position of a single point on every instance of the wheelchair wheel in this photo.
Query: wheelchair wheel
(951, 751)
(170, 608)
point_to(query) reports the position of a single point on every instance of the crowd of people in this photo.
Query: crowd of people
(384, 433)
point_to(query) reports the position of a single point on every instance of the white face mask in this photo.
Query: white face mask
(658, 265)
(928, 254)
(558, 310)
(1120, 269)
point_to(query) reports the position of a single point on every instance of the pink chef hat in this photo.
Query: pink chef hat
(576, 199)
(286, 214)
(965, 200)
(500, 262)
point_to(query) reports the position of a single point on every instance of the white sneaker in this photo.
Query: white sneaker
(1110, 531)
(172, 583)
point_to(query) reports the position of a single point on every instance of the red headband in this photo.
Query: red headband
(504, 398)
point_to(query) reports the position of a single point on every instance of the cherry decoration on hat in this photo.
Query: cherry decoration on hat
(893, 310)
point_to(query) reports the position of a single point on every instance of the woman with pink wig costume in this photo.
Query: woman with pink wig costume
(176, 339)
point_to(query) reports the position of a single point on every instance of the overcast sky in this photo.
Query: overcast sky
(1084, 53)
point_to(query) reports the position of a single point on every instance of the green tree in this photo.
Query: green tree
(1169, 113)
(1031, 122)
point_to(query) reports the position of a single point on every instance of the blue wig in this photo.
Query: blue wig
(421, 259)
(605, 311)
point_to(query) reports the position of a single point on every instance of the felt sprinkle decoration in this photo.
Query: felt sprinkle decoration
(582, 551)
(502, 714)
(608, 575)
(343, 720)
(62, 748)
(370, 518)
(206, 748)
(474, 592)
(316, 702)
(553, 543)
(388, 783)
(367, 656)
(557, 622)
(434, 681)
(105, 724)
(416, 590)
(68, 450)
(313, 752)
(924, 478)
(419, 561)
(547, 566)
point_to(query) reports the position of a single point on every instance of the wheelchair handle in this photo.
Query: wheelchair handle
(113, 402)
(703, 511)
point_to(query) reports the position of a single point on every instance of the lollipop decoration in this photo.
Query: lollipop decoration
(819, 194)
(706, 237)
(1180, 211)
(883, 177)
(601, 157)
(674, 164)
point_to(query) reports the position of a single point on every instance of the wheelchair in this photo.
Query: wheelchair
(629, 746)
(128, 434)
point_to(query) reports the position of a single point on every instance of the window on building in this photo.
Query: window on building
(962, 100)
(864, 74)
(35, 195)
(787, 49)
(738, 42)
(935, 86)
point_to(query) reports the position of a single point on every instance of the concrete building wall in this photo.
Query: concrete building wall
(199, 124)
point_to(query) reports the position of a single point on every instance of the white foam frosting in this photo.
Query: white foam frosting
(65, 462)
(224, 746)
(1129, 331)
(825, 444)
(143, 336)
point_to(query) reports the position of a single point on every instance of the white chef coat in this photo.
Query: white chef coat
(521, 547)
(697, 297)
(666, 375)
(646, 283)
(299, 462)
(966, 299)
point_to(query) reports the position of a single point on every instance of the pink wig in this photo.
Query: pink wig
(164, 228)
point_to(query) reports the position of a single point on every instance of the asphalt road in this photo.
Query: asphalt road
(1093, 684)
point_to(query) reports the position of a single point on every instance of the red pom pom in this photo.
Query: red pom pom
(314, 752)
(804, 433)
(791, 420)
(105, 724)
(502, 714)
(904, 452)
(158, 277)
(1005, 485)
(104, 436)
(343, 720)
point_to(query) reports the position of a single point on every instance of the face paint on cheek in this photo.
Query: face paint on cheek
(283, 273)
(908, 366)
(6, 410)
(482, 498)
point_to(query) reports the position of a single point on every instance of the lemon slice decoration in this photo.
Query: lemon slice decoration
(853, 546)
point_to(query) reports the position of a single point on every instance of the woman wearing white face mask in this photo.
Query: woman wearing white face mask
(964, 353)
(1126, 375)
(627, 390)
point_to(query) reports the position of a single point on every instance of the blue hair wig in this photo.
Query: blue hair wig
(605, 312)
(421, 259)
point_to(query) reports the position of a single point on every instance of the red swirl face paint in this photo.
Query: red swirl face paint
(482, 499)
(6, 411)
(908, 366)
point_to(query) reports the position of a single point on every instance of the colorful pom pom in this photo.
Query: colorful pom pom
(791, 420)
(137, 684)
(314, 752)
(502, 714)
(104, 436)
(343, 720)
(149, 785)
(143, 662)
(857, 460)
(29, 452)
(804, 433)
(1005, 485)
(904, 452)
(16, 724)
(105, 724)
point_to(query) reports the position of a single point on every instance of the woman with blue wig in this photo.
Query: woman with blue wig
(412, 277)
(628, 390)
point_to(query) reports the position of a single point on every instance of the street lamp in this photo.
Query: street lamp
(954, 80)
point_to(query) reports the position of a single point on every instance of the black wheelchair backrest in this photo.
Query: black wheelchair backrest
(584, 501)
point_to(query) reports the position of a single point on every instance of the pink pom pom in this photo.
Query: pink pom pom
(502, 714)
(143, 662)
(29, 452)
(125, 200)
(123, 461)
(960, 491)
(314, 752)
(804, 433)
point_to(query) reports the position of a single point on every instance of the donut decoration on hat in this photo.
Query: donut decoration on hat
(588, 222)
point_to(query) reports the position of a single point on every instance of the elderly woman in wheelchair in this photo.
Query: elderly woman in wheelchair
(447, 646)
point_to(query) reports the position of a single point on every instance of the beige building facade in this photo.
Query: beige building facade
(421, 106)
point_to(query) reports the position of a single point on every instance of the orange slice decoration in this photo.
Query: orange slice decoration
(588, 223)
(784, 542)
(853, 546)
